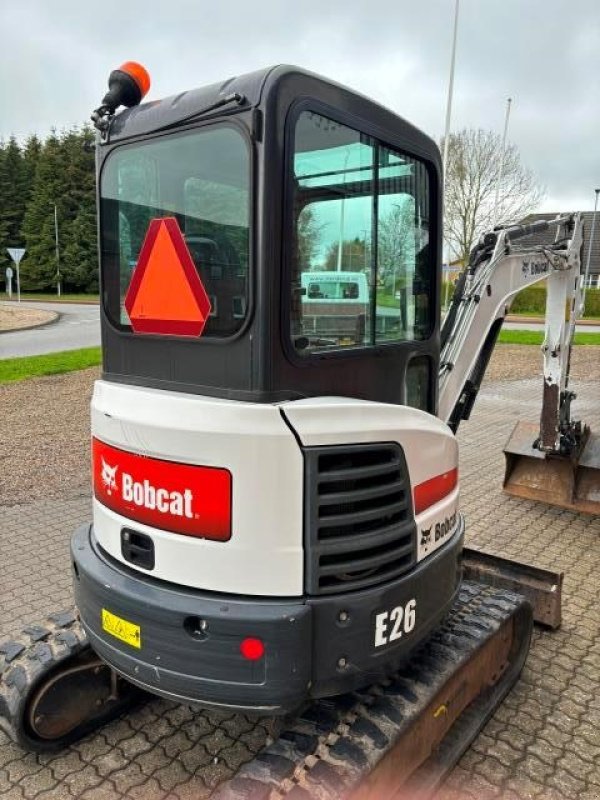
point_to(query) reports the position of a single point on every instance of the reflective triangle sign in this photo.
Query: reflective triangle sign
(166, 295)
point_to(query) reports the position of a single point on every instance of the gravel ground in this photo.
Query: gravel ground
(44, 437)
(14, 319)
(56, 411)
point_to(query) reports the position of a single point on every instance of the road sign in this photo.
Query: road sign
(9, 273)
(9, 276)
(16, 253)
(166, 295)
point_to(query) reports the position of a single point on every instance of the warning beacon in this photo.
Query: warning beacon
(127, 86)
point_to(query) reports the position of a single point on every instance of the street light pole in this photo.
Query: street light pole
(589, 254)
(445, 254)
(57, 251)
(450, 92)
(342, 213)
(501, 166)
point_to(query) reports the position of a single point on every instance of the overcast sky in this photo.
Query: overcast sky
(56, 55)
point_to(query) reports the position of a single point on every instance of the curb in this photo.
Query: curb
(56, 316)
(25, 299)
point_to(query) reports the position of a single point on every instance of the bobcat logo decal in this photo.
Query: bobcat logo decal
(425, 536)
(109, 475)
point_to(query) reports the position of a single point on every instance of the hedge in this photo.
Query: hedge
(533, 301)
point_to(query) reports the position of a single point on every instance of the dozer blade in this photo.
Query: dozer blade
(566, 482)
(542, 587)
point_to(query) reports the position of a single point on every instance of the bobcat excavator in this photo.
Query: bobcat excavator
(276, 524)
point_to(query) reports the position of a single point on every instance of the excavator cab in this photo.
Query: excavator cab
(292, 177)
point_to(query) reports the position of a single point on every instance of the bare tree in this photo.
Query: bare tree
(473, 169)
(308, 237)
(356, 255)
(396, 243)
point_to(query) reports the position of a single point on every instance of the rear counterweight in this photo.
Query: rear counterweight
(188, 645)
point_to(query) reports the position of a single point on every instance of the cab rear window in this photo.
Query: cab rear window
(202, 178)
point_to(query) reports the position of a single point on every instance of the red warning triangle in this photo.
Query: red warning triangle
(166, 295)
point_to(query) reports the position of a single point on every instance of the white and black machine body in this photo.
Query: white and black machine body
(275, 498)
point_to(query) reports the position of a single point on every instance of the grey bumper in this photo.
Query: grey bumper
(190, 640)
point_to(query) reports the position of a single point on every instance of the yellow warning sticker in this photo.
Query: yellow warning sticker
(127, 632)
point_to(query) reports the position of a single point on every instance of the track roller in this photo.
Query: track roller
(53, 687)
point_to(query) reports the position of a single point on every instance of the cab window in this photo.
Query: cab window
(203, 180)
(361, 261)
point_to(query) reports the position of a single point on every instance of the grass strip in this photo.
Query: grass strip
(19, 369)
(537, 337)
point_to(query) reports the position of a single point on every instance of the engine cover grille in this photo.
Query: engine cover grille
(359, 525)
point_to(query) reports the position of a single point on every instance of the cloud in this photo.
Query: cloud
(56, 57)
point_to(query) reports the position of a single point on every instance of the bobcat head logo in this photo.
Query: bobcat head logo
(425, 536)
(109, 475)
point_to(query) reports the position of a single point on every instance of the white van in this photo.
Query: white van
(335, 305)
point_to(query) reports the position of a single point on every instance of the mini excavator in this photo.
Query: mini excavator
(276, 514)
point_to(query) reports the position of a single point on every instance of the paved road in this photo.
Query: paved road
(78, 326)
(538, 326)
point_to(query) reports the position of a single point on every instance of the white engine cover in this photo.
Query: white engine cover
(429, 446)
(264, 556)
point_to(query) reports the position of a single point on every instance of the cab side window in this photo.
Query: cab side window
(361, 263)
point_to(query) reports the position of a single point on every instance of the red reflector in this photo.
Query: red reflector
(435, 489)
(182, 498)
(252, 649)
(166, 295)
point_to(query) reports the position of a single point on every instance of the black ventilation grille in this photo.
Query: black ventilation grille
(359, 526)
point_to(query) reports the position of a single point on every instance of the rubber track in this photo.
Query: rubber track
(327, 751)
(27, 658)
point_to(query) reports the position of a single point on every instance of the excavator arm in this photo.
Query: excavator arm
(499, 269)
(558, 460)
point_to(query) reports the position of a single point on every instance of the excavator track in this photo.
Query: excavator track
(53, 687)
(404, 733)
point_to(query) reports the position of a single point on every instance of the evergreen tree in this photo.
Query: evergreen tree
(4, 258)
(38, 269)
(31, 154)
(79, 258)
(13, 198)
(79, 262)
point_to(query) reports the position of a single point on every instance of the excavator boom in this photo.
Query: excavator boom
(558, 460)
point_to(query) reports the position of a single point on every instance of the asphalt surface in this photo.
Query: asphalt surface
(539, 326)
(542, 743)
(77, 326)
